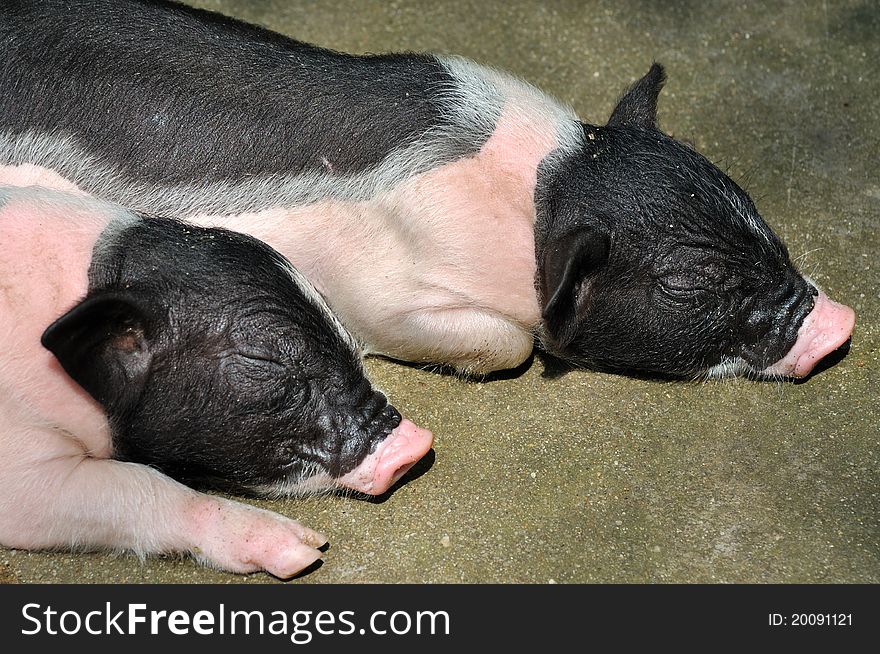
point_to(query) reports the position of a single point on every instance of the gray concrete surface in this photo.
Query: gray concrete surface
(599, 478)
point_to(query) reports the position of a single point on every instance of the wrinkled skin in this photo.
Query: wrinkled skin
(656, 261)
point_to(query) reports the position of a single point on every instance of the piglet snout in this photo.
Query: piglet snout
(828, 326)
(390, 461)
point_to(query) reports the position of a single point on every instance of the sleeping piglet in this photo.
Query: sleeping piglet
(449, 213)
(141, 352)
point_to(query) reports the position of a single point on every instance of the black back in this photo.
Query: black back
(215, 98)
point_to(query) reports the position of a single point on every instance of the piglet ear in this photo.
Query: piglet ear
(638, 106)
(105, 344)
(568, 261)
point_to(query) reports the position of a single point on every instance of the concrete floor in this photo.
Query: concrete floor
(598, 478)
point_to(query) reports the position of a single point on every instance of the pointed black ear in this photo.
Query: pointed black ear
(567, 262)
(638, 106)
(104, 343)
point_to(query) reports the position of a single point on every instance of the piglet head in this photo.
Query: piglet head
(651, 259)
(219, 364)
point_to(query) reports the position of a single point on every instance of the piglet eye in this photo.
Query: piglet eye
(257, 366)
(682, 285)
(257, 358)
(682, 281)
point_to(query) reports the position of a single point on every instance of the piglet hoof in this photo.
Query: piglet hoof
(243, 539)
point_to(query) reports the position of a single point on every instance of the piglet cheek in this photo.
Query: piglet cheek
(394, 456)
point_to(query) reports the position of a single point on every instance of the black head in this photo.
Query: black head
(651, 259)
(215, 363)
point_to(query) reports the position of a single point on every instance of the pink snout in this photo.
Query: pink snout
(393, 457)
(828, 326)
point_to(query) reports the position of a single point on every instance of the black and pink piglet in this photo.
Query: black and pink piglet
(141, 352)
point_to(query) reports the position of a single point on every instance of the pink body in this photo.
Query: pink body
(58, 488)
(431, 280)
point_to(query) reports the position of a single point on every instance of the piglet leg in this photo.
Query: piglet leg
(53, 495)
(473, 341)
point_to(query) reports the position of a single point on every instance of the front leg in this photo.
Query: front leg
(54, 496)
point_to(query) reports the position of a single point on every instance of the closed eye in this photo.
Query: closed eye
(256, 366)
(257, 357)
(683, 285)
(261, 384)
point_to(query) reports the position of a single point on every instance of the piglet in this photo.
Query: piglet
(449, 213)
(141, 352)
